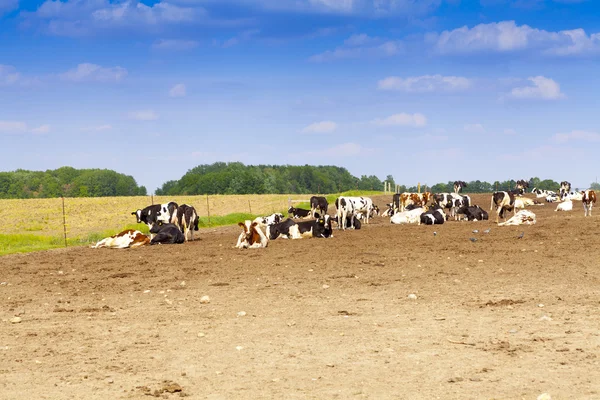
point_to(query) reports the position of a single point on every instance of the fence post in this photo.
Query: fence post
(152, 198)
(250, 207)
(207, 209)
(64, 220)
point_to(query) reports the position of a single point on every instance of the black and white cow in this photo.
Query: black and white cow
(503, 202)
(356, 221)
(274, 218)
(542, 194)
(280, 229)
(348, 206)
(298, 212)
(522, 184)
(152, 214)
(319, 228)
(166, 234)
(433, 216)
(167, 213)
(186, 218)
(458, 185)
(318, 203)
(473, 213)
(565, 188)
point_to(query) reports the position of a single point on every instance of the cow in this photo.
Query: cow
(349, 206)
(457, 201)
(572, 196)
(390, 210)
(298, 212)
(374, 212)
(319, 228)
(318, 203)
(542, 194)
(566, 205)
(401, 201)
(525, 202)
(473, 213)
(186, 218)
(458, 185)
(252, 237)
(588, 200)
(565, 187)
(408, 217)
(166, 234)
(523, 217)
(551, 198)
(434, 216)
(280, 229)
(274, 218)
(127, 238)
(167, 213)
(523, 185)
(503, 202)
(356, 223)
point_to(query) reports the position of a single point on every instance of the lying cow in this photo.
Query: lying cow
(572, 196)
(166, 234)
(523, 202)
(408, 217)
(523, 217)
(123, 240)
(280, 229)
(588, 200)
(565, 206)
(269, 219)
(252, 237)
(319, 228)
(435, 216)
(473, 213)
(298, 212)
(318, 203)
(157, 212)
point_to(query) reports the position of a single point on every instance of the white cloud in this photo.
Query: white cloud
(240, 38)
(178, 90)
(542, 88)
(174, 44)
(425, 83)
(87, 72)
(19, 127)
(357, 46)
(98, 128)
(77, 17)
(143, 115)
(402, 119)
(320, 127)
(8, 75)
(507, 36)
(577, 135)
(474, 128)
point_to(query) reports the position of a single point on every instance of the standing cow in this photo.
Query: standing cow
(318, 203)
(503, 202)
(588, 200)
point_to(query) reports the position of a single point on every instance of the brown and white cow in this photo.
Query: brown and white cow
(588, 200)
(503, 202)
(400, 201)
(123, 240)
(252, 237)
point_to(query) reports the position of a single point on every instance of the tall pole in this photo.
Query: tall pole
(64, 220)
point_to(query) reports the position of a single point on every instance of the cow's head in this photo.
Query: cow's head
(138, 215)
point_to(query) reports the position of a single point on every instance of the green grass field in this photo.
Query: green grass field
(37, 224)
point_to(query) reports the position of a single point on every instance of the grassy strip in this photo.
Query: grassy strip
(24, 243)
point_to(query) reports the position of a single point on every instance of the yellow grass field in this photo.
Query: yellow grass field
(89, 215)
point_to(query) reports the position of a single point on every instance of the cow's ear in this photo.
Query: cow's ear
(133, 213)
(242, 225)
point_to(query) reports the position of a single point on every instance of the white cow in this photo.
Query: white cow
(523, 217)
(408, 217)
(565, 206)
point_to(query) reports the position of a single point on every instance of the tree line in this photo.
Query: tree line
(67, 182)
(226, 178)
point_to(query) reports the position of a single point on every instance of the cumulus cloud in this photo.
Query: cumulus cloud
(362, 45)
(143, 115)
(87, 72)
(425, 83)
(19, 127)
(541, 88)
(76, 17)
(320, 127)
(402, 119)
(507, 37)
(577, 135)
(174, 44)
(178, 90)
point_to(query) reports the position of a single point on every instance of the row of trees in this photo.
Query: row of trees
(237, 178)
(223, 178)
(68, 182)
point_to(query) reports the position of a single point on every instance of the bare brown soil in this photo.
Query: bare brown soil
(499, 318)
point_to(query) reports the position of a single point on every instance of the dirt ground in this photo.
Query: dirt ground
(498, 318)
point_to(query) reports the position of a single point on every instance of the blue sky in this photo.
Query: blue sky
(426, 90)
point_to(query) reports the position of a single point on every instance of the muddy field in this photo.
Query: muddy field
(498, 318)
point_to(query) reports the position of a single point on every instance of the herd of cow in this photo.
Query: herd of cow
(172, 223)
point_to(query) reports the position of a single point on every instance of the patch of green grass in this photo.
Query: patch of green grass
(24, 243)
(350, 193)
(222, 220)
